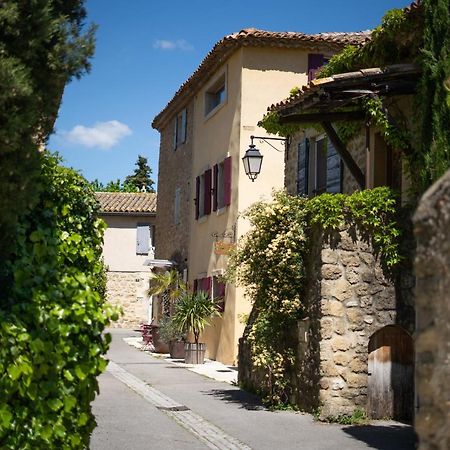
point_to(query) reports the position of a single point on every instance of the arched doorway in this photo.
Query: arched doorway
(391, 374)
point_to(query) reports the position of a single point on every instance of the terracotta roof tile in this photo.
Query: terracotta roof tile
(251, 37)
(127, 202)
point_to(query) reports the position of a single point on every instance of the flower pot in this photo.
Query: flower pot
(176, 349)
(194, 353)
(160, 346)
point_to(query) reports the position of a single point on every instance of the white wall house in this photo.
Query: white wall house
(128, 243)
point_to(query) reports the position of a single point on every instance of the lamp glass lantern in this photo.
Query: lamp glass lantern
(252, 162)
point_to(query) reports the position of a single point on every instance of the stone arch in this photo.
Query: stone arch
(391, 374)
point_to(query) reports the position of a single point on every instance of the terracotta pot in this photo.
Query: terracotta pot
(176, 349)
(160, 346)
(194, 353)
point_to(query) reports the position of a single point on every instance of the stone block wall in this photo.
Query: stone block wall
(172, 239)
(356, 300)
(432, 267)
(127, 290)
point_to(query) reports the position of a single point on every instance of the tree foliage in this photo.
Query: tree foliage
(51, 342)
(141, 179)
(43, 44)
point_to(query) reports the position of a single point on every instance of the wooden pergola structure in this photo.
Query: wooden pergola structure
(339, 98)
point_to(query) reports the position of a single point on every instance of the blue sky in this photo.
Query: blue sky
(147, 48)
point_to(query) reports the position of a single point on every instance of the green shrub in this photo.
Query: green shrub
(51, 323)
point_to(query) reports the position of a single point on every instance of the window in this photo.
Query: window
(319, 168)
(222, 184)
(144, 238)
(218, 292)
(177, 206)
(328, 173)
(315, 63)
(203, 194)
(180, 129)
(215, 95)
(203, 284)
(214, 287)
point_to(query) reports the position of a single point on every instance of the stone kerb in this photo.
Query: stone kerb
(356, 300)
(432, 267)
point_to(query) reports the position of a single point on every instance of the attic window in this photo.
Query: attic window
(215, 95)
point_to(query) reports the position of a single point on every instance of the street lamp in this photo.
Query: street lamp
(253, 159)
(252, 162)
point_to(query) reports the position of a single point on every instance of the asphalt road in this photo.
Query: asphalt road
(149, 403)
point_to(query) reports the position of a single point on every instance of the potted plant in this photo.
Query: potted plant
(168, 286)
(193, 311)
(172, 336)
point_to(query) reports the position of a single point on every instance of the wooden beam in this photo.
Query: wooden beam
(320, 117)
(344, 154)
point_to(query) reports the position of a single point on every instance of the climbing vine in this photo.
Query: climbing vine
(432, 156)
(270, 262)
(415, 35)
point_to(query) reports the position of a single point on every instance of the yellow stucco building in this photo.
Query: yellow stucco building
(205, 130)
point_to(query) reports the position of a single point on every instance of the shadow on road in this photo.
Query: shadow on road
(245, 399)
(384, 437)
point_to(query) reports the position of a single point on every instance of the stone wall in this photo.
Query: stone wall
(172, 239)
(348, 298)
(432, 266)
(127, 290)
(356, 300)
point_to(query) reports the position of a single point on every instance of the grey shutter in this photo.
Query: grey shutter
(334, 168)
(303, 168)
(143, 239)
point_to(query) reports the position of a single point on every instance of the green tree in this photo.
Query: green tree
(51, 328)
(141, 179)
(43, 45)
(112, 186)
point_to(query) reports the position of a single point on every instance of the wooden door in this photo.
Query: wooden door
(391, 374)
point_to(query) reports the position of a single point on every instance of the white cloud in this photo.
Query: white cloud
(179, 44)
(102, 135)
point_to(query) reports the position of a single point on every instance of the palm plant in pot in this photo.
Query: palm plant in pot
(172, 336)
(168, 286)
(193, 312)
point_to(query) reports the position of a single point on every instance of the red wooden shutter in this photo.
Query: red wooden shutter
(315, 62)
(227, 178)
(197, 199)
(208, 176)
(215, 186)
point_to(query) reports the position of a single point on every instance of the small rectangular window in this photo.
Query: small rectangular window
(180, 129)
(215, 95)
(218, 292)
(203, 194)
